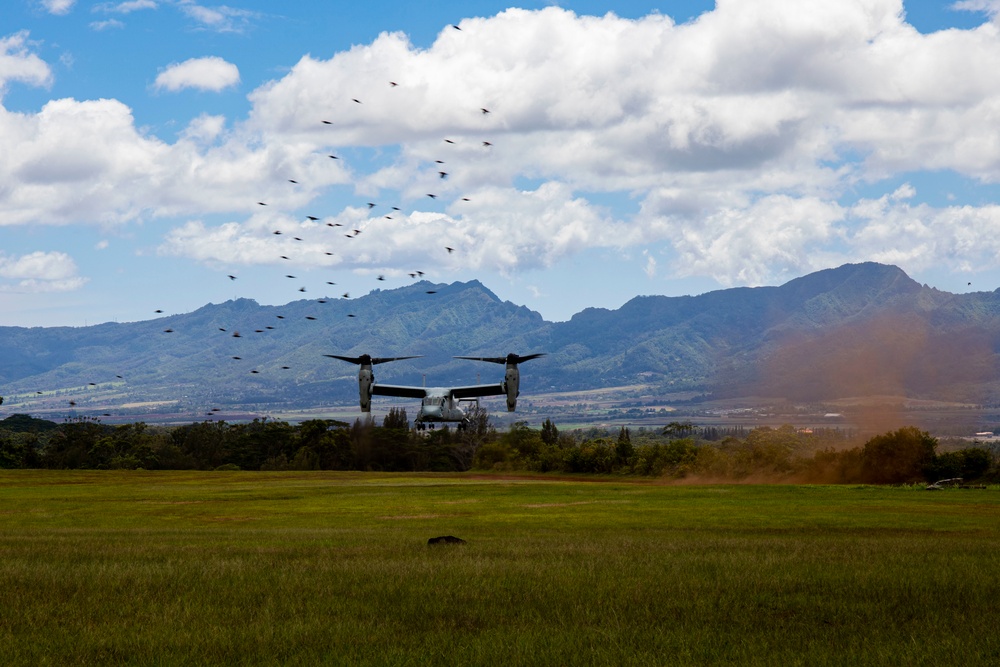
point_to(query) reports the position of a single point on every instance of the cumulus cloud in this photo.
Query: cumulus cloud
(18, 64)
(210, 73)
(39, 272)
(737, 140)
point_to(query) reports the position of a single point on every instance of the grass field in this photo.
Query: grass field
(169, 568)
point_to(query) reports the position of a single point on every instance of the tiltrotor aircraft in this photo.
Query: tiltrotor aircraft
(438, 404)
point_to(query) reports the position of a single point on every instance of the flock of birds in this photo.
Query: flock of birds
(440, 166)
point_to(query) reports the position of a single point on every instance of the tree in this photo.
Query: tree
(550, 434)
(678, 429)
(624, 451)
(396, 418)
(477, 432)
(897, 457)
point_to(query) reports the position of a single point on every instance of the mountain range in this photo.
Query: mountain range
(856, 330)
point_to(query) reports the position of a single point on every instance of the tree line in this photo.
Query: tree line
(677, 450)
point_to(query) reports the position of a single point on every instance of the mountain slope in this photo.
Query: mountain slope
(853, 330)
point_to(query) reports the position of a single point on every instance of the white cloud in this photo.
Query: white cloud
(106, 25)
(220, 18)
(129, 7)
(39, 272)
(58, 7)
(776, 236)
(210, 73)
(17, 64)
(737, 138)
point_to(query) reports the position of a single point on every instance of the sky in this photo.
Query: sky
(166, 154)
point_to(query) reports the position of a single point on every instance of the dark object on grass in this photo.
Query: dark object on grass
(445, 539)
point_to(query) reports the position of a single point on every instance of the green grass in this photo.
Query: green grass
(333, 568)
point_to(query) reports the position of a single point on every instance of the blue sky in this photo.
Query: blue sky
(632, 148)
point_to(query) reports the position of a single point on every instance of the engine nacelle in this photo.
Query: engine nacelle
(511, 385)
(365, 380)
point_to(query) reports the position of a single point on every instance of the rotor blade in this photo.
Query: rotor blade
(382, 360)
(365, 359)
(509, 359)
(492, 360)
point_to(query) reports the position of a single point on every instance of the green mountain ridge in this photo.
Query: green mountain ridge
(859, 329)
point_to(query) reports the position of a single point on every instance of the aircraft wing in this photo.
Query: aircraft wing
(379, 389)
(475, 390)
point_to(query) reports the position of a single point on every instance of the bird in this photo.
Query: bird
(487, 144)
(312, 217)
(347, 295)
(238, 358)
(448, 141)
(432, 196)
(302, 289)
(262, 203)
(285, 367)
(157, 311)
(255, 371)
(450, 250)
(92, 384)
(321, 300)
(333, 157)
(396, 208)
(221, 329)
(293, 181)
(168, 331)
(284, 257)
(258, 331)
(388, 217)
(236, 334)
(277, 231)
(350, 315)
(439, 161)
(430, 291)
(381, 277)
(269, 327)
(289, 276)
(466, 199)
(484, 110)
(358, 101)
(443, 174)
(329, 283)
(393, 84)
(296, 238)
(326, 122)
(72, 402)
(371, 205)
(455, 27)
(334, 224)
(232, 277)
(310, 317)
